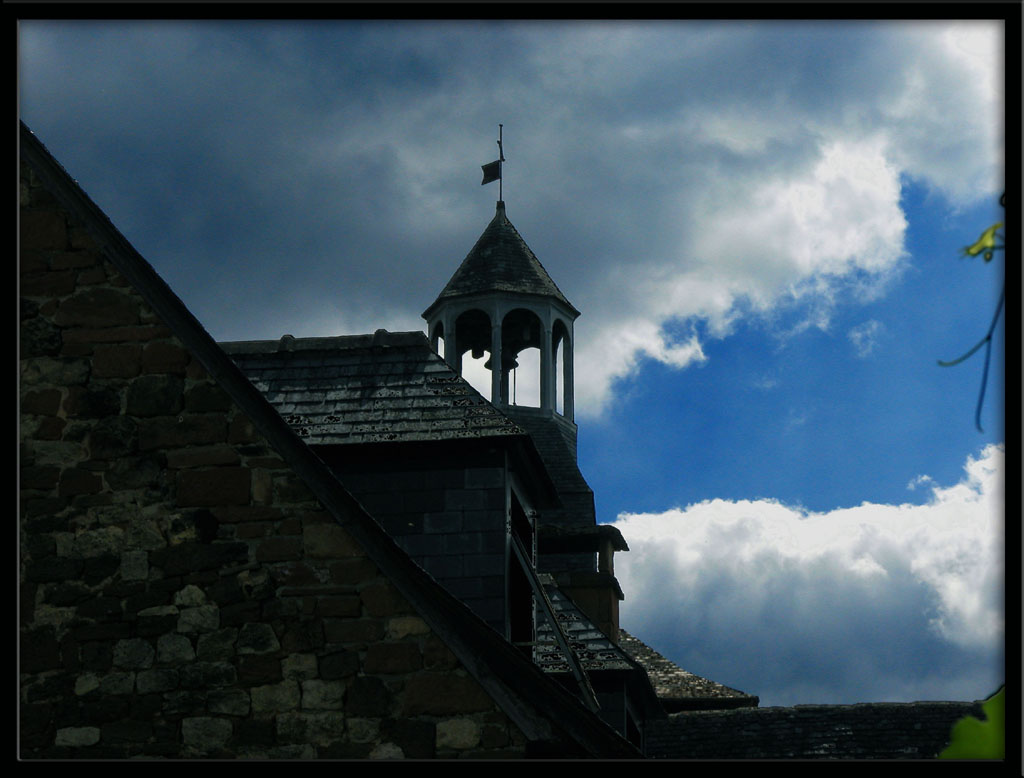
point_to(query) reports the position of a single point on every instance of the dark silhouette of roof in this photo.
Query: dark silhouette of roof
(678, 689)
(389, 386)
(500, 261)
(540, 708)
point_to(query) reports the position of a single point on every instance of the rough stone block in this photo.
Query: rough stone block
(262, 487)
(45, 477)
(117, 683)
(339, 606)
(241, 430)
(113, 437)
(404, 626)
(440, 694)
(155, 396)
(205, 733)
(387, 751)
(38, 337)
(352, 630)
(340, 664)
(55, 371)
(277, 697)
(45, 402)
(203, 675)
(257, 638)
(281, 549)
(368, 696)
(416, 738)
(350, 572)
(329, 541)
(323, 695)
(43, 229)
(259, 669)
(97, 656)
(202, 456)
(179, 431)
(316, 728)
(98, 307)
(97, 569)
(74, 482)
(134, 654)
(217, 645)
(134, 565)
(232, 702)
(203, 618)
(382, 599)
(164, 357)
(362, 730)
(206, 398)
(458, 734)
(159, 680)
(121, 360)
(98, 542)
(77, 737)
(392, 658)
(299, 667)
(126, 731)
(216, 486)
(85, 683)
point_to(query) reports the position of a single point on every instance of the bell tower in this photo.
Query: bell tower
(502, 301)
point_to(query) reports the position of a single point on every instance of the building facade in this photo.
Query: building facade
(323, 547)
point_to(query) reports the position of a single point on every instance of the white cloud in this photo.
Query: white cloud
(842, 587)
(864, 336)
(946, 116)
(799, 200)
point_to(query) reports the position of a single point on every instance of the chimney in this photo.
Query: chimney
(597, 594)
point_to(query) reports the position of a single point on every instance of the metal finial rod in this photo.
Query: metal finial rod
(501, 158)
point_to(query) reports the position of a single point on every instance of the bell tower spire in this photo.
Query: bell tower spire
(501, 301)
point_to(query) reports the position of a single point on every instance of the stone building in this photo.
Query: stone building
(316, 547)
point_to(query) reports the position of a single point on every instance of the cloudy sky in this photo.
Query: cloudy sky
(760, 222)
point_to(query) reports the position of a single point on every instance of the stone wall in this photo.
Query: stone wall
(182, 593)
(915, 730)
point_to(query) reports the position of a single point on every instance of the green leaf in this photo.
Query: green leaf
(974, 739)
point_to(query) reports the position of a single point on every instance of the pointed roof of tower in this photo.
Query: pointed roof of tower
(500, 261)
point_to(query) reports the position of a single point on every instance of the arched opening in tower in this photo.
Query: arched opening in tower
(473, 331)
(560, 341)
(520, 351)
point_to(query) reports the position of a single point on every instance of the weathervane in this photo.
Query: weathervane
(492, 170)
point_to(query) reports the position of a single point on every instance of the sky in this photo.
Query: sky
(760, 222)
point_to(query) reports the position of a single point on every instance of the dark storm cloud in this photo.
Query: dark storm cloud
(271, 169)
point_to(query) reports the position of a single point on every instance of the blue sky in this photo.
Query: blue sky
(759, 221)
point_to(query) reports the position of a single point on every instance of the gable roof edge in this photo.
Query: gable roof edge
(507, 676)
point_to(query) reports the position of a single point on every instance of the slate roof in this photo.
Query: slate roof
(875, 730)
(500, 261)
(678, 689)
(593, 648)
(559, 458)
(389, 386)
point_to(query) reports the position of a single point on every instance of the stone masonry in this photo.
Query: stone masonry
(182, 593)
